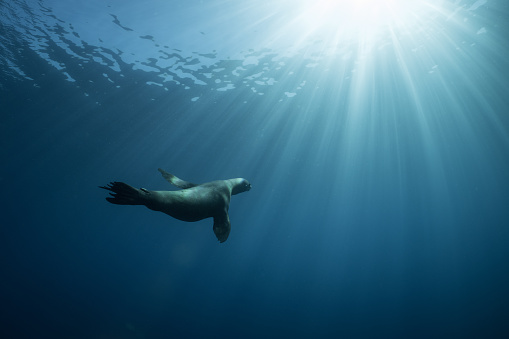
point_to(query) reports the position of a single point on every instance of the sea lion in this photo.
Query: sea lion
(192, 203)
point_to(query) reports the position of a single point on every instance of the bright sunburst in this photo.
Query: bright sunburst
(346, 19)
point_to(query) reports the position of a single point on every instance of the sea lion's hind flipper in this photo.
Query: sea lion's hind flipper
(222, 227)
(176, 181)
(123, 194)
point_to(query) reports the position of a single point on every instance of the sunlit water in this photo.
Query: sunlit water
(375, 135)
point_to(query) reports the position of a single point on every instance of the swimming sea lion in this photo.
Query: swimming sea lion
(191, 203)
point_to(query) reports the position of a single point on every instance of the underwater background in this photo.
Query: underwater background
(375, 136)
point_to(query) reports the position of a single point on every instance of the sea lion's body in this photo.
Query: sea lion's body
(192, 203)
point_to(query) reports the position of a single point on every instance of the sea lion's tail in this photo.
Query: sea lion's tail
(123, 194)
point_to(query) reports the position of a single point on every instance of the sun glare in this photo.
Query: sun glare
(354, 16)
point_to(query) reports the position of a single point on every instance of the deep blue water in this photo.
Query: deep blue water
(378, 155)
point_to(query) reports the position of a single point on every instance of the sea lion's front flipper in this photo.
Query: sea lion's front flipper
(176, 181)
(222, 227)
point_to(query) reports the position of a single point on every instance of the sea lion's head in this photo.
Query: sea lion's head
(240, 185)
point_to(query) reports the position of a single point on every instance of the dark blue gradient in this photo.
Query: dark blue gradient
(380, 173)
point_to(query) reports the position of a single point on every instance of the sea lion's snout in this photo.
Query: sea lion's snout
(242, 185)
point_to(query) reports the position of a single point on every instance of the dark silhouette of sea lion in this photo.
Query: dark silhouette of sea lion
(192, 203)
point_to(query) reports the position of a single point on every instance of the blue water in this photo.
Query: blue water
(378, 156)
